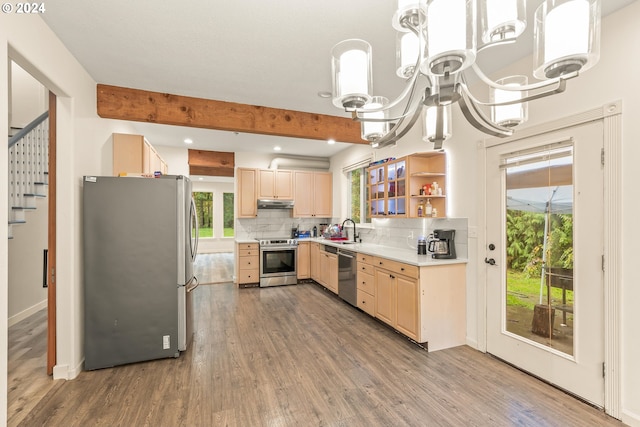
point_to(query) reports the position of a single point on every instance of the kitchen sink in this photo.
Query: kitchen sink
(343, 242)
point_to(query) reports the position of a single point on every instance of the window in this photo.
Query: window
(204, 212)
(228, 219)
(358, 200)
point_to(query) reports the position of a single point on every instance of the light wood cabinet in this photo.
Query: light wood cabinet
(394, 187)
(365, 284)
(328, 271)
(247, 263)
(313, 194)
(247, 181)
(406, 307)
(303, 261)
(314, 261)
(385, 296)
(133, 154)
(275, 184)
(426, 304)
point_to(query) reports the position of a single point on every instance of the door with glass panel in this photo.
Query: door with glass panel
(544, 210)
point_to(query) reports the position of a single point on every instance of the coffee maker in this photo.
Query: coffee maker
(441, 244)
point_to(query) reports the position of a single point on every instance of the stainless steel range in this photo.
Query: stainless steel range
(278, 261)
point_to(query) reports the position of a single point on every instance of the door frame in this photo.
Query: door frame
(611, 116)
(51, 261)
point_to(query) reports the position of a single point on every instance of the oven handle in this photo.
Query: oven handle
(276, 248)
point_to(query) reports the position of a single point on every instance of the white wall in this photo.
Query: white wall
(28, 98)
(614, 78)
(26, 294)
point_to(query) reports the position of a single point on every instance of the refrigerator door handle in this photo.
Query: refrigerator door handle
(192, 285)
(194, 221)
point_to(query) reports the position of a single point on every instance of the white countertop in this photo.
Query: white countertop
(408, 256)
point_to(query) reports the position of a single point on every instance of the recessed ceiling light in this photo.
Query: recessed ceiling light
(331, 142)
(324, 94)
(277, 148)
(188, 141)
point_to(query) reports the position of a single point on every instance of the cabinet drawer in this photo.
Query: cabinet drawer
(248, 262)
(366, 302)
(397, 267)
(366, 259)
(365, 268)
(365, 283)
(248, 252)
(249, 276)
(248, 246)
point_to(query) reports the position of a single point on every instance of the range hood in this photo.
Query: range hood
(275, 204)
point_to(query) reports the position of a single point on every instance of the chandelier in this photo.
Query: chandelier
(437, 44)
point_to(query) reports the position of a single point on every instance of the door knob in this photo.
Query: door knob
(490, 261)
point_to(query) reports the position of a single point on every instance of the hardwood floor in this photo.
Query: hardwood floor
(299, 356)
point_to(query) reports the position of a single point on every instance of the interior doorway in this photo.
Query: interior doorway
(35, 233)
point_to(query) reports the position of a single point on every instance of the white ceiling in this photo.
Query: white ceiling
(271, 53)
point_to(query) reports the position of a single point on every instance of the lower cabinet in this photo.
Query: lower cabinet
(247, 264)
(366, 288)
(303, 267)
(397, 301)
(426, 304)
(314, 261)
(328, 274)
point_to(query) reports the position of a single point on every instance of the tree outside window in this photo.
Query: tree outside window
(204, 212)
(358, 196)
(228, 218)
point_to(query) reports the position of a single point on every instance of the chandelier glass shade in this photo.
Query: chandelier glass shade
(437, 44)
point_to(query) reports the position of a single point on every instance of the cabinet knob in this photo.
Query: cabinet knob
(392, 276)
(401, 268)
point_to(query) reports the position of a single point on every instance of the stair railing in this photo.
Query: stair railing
(28, 164)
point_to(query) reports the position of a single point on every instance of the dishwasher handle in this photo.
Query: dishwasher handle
(347, 254)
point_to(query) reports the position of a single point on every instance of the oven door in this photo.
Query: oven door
(278, 265)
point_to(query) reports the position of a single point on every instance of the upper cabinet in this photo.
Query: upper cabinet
(275, 184)
(406, 186)
(313, 194)
(133, 154)
(247, 192)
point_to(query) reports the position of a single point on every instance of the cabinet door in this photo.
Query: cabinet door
(284, 184)
(332, 279)
(266, 183)
(303, 194)
(303, 267)
(385, 298)
(128, 151)
(407, 306)
(323, 273)
(314, 259)
(247, 200)
(323, 198)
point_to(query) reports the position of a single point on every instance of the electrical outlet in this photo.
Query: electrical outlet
(166, 342)
(411, 234)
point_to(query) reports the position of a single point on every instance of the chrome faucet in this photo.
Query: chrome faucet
(354, 227)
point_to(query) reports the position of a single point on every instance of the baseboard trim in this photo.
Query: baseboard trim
(26, 313)
(630, 418)
(63, 372)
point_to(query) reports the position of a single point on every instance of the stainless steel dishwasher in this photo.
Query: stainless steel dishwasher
(347, 269)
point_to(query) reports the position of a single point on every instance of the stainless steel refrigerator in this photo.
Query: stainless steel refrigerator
(139, 244)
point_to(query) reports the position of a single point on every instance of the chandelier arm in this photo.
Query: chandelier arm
(530, 87)
(476, 117)
(560, 87)
(392, 137)
(506, 41)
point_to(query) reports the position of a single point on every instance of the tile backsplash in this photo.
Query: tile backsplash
(393, 232)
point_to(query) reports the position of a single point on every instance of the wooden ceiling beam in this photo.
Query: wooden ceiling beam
(114, 102)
